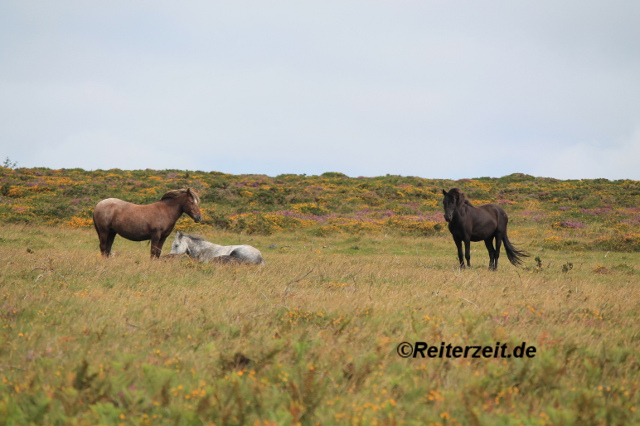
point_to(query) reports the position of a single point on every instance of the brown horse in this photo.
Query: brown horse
(484, 223)
(138, 223)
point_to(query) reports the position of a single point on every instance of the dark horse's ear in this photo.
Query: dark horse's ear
(444, 192)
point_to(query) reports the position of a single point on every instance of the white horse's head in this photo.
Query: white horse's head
(180, 244)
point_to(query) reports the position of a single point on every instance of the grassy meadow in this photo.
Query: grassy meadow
(355, 266)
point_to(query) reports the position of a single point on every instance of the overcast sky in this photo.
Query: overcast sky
(437, 89)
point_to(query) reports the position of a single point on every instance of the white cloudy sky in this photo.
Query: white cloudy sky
(440, 89)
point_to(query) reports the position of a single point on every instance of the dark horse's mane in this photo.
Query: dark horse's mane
(178, 192)
(462, 197)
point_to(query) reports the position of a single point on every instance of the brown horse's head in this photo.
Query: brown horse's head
(452, 200)
(189, 201)
(191, 205)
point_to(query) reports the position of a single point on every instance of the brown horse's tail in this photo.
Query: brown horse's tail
(513, 254)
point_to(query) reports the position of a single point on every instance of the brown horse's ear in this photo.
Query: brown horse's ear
(192, 192)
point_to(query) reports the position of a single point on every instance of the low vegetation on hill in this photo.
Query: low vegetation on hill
(576, 214)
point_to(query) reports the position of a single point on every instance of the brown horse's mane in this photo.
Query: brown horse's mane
(178, 192)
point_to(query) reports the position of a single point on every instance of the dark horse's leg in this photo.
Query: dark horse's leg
(497, 255)
(460, 257)
(467, 251)
(493, 254)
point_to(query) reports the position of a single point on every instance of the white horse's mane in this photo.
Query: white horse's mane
(195, 237)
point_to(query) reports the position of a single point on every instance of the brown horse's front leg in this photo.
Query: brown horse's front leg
(156, 246)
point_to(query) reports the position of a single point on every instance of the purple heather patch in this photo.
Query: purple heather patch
(433, 217)
(597, 212)
(631, 221)
(533, 215)
(568, 224)
(79, 200)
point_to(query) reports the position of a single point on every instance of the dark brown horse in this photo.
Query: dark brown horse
(484, 223)
(138, 223)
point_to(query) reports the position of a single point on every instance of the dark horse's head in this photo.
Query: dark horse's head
(188, 200)
(452, 200)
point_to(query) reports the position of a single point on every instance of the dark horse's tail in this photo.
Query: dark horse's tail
(513, 254)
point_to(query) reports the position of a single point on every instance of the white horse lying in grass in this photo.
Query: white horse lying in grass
(196, 246)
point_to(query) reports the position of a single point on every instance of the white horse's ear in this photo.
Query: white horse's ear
(179, 234)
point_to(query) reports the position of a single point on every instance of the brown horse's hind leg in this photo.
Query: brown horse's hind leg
(110, 238)
(106, 241)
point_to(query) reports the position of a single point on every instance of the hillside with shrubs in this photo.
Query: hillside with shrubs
(556, 214)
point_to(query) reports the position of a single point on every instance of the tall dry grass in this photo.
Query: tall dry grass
(311, 336)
